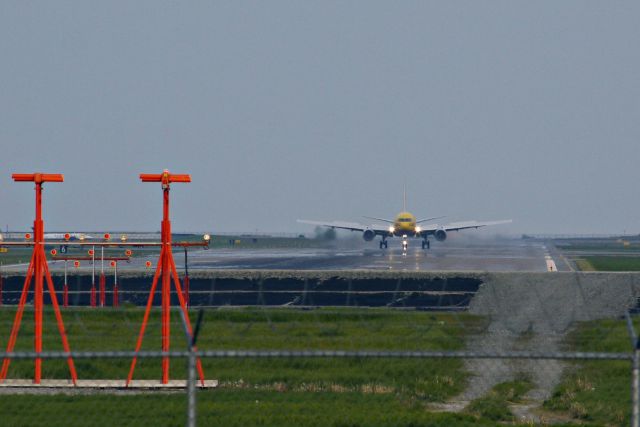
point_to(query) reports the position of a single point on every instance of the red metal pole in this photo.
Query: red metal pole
(93, 277)
(145, 319)
(103, 292)
(183, 307)
(56, 310)
(166, 285)
(38, 241)
(186, 290)
(17, 320)
(116, 300)
(65, 288)
(93, 295)
(166, 268)
(38, 268)
(103, 282)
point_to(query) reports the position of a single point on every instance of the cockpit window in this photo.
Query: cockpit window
(404, 220)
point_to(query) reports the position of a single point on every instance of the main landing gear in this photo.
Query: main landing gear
(383, 243)
(426, 244)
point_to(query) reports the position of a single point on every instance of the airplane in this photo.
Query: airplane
(405, 225)
(67, 236)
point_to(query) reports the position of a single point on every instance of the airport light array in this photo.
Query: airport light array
(38, 270)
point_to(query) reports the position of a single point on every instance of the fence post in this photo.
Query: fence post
(191, 368)
(191, 390)
(635, 373)
(635, 389)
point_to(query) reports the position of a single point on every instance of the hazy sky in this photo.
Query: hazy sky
(321, 110)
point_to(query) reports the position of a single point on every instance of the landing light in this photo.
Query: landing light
(418, 229)
(81, 237)
(206, 238)
(123, 238)
(392, 229)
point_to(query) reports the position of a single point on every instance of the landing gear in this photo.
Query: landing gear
(426, 244)
(405, 244)
(383, 244)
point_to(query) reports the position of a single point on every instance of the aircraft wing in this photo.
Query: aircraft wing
(456, 226)
(380, 230)
(390, 221)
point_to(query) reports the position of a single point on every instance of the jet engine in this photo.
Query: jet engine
(368, 235)
(440, 235)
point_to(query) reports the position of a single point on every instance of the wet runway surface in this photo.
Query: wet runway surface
(219, 276)
(452, 255)
(504, 255)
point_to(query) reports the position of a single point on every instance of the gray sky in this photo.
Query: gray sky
(321, 110)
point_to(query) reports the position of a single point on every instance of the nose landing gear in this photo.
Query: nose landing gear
(426, 244)
(405, 244)
(383, 244)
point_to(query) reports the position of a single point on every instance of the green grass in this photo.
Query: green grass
(610, 263)
(15, 256)
(348, 329)
(596, 391)
(633, 246)
(314, 392)
(269, 392)
(230, 408)
(495, 405)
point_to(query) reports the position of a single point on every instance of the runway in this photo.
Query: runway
(481, 255)
(351, 273)
(452, 255)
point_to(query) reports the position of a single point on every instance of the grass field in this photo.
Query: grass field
(260, 391)
(609, 263)
(596, 391)
(314, 392)
(599, 245)
(232, 408)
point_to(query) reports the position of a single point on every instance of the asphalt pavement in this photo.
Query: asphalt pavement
(482, 255)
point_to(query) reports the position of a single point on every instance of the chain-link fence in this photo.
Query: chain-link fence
(524, 349)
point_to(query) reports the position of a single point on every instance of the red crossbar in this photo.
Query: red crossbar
(38, 177)
(164, 177)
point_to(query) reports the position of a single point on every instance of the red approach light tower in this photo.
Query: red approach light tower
(39, 269)
(167, 269)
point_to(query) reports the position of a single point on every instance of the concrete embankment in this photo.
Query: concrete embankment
(521, 297)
